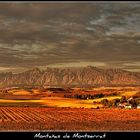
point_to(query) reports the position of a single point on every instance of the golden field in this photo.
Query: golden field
(46, 98)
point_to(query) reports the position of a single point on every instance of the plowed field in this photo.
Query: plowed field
(22, 118)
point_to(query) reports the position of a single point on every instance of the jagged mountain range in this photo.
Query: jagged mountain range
(80, 77)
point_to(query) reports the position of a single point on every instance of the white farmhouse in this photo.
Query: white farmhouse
(128, 106)
(138, 106)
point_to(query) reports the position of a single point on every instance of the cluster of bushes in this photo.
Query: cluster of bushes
(89, 96)
(112, 94)
(84, 96)
(115, 102)
(112, 103)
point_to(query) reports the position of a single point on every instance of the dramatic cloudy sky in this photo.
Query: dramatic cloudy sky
(69, 34)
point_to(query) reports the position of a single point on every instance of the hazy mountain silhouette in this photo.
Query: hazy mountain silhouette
(82, 76)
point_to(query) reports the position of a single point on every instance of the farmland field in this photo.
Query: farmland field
(45, 98)
(39, 118)
(54, 109)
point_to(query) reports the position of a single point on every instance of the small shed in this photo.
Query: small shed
(120, 105)
(138, 106)
(128, 106)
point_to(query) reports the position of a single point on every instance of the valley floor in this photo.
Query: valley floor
(39, 118)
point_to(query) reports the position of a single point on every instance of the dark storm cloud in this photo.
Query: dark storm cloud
(33, 34)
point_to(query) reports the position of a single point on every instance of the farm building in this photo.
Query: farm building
(128, 106)
(125, 105)
(121, 105)
(138, 106)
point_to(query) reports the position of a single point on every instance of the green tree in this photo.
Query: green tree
(115, 102)
(123, 99)
(105, 102)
